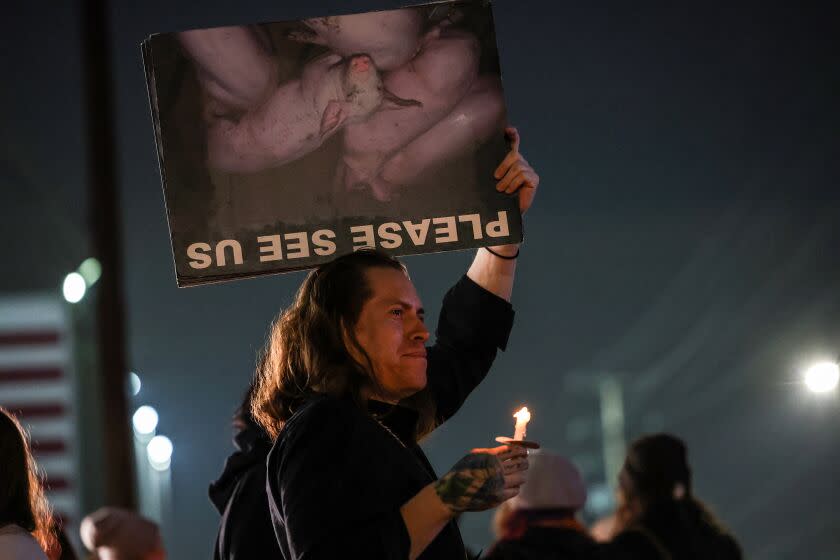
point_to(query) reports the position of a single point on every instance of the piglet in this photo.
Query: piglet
(391, 38)
(233, 66)
(438, 79)
(471, 123)
(298, 117)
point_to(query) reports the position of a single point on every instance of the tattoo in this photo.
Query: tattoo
(475, 483)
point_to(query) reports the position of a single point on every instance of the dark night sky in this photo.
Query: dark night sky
(685, 239)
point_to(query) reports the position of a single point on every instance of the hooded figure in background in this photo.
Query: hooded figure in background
(658, 517)
(541, 521)
(245, 530)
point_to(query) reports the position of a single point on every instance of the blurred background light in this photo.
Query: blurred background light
(145, 420)
(159, 453)
(822, 377)
(134, 380)
(91, 270)
(74, 287)
(600, 500)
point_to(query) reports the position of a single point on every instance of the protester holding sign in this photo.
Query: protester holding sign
(347, 387)
(285, 144)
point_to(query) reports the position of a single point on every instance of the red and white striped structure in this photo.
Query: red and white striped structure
(37, 383)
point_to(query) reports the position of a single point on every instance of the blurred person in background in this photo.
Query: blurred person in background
(658, 517)
(541, 522)
(25, 515)
(118, 534)
(245, 529)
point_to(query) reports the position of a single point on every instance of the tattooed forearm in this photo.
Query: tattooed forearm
(475, 483)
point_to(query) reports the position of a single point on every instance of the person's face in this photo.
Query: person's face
(391, 330)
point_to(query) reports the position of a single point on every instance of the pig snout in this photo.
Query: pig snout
(362, 85)
(361, 64)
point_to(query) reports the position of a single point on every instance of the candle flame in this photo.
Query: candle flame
(523, 415)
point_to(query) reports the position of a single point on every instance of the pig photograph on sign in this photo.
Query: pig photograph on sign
(282, 145)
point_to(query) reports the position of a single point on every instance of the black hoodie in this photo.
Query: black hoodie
(245, 530)
(672, 531)
(544, 543)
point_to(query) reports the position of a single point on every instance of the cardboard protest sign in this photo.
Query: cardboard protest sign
(285, 144)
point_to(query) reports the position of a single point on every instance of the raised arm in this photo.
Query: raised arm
(476, 317)
(492, 272)
(473, 324)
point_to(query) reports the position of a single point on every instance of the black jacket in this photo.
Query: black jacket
(672, 531)
(545, 543)
(337, 478)
(245, 530)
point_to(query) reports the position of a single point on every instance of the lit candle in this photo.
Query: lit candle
(522, 418)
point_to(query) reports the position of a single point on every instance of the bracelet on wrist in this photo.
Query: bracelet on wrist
(505, 257)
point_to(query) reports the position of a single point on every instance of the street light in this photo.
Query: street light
(134, 380)
(159, 453)
(822, 377)
(74, 287)
(158, 480)
(145, 421)
(91, 270)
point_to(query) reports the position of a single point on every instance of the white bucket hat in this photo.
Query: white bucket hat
(552, 482)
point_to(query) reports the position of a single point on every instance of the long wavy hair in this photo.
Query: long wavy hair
(22, 499)
(656, 474)
(307, 351)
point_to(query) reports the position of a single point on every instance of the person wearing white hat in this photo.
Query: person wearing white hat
(541, 521)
